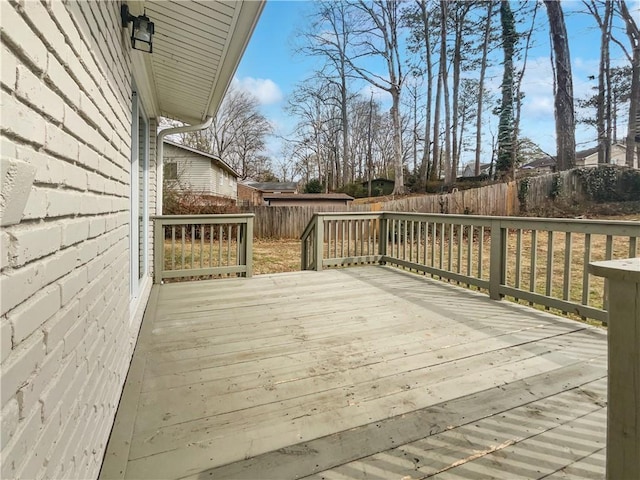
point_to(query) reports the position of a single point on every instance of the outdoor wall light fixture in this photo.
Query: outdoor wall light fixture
(142, 32)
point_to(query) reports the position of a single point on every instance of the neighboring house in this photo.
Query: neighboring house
(275, 187)
(79, 187)
(306, 199)
(584, 158)
(200, 172)
(379, 186)
(470, 169)
(589, 157)
(251, 193)
(540, 165)
(248, 195)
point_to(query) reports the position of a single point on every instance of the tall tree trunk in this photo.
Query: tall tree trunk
(444, 12)
(462, 9)
(633, 127)
(345, 125)
(434, 174)
(429, 64)
(564, 112)
(398, 187)
(505, 126)
(609, 139)
(483, 70)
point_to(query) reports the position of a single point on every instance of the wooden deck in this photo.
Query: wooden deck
(358, 373)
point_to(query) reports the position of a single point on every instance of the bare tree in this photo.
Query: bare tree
(564, 112)
(377, 37)
(633, 128)
(237, 134)
(329, 38)
(483, 70)
(603, 100)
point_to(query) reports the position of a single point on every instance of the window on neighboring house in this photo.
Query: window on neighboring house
(230, 180)
(171, 171)
(220, 179)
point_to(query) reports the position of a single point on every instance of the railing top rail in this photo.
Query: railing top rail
(449, 218)
(201, 217)
(573, 221)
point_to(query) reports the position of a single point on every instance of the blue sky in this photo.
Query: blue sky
(270, 69)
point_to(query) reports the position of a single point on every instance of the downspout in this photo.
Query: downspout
(160, 155)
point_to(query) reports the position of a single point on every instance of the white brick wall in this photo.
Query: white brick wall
(67, 331)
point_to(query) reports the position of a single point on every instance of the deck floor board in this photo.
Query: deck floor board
(357, 373)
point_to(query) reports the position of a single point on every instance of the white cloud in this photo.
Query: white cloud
(264, 89)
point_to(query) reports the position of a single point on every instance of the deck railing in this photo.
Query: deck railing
(540, 261)
(202, 246)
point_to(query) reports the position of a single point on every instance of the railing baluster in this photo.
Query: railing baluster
(375, 224)
(609, 248)
(193, 234)
(633, 248)
(518, 258)
(412, 238)
(173, 247)
(183, 248)
(361, 237)
(460, 242)
(342, 227)
(238, 245)
(533, 273)
(450, 249)
(586, 278)
(481, 252)
(202, 245)
(434, 239)
(426, 242)
(404, 239)
(549, 283)
(568, 247)
(220, 245)
(442, 240)
(228, 245)
(470, 230)
(210, 245)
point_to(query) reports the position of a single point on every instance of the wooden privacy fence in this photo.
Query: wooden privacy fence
(497, 199)
(202, 246)
(541, 261)
(285, 222)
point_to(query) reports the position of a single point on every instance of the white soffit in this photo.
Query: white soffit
(197, 47)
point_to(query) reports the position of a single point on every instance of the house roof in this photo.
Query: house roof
(592, 150)
(214, 158)
(308, 196)
(274, 186)
(541, 163)
(197, 46)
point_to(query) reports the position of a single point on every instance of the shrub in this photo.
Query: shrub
(314, 186)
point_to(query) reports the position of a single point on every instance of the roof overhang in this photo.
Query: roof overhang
(197, 47)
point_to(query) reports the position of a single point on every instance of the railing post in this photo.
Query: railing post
(623, 391)
(498, 259)
(318, 247)
(384, 236)
(248, 244)
(158, 250)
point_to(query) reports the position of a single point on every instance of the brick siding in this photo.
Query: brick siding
(67, 328)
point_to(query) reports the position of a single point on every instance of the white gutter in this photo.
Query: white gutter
(160, 155)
